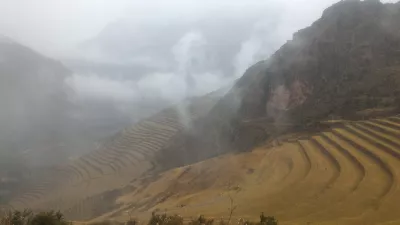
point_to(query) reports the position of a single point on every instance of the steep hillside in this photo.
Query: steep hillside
(41, 125)
(88, 186)
(345, 67)
(33, 106)
(348, 174)
(32, 89)
(319, 121)
(345, 63)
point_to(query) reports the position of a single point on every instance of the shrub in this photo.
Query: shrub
(267, 220)
(27, 217)
(201, 221)
(163, 219)
(264, 220)
(48, 218)
(17, 218)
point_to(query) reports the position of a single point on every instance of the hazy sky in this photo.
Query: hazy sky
(53, 27)
(50, 25)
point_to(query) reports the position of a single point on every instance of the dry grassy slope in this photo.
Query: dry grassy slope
(88, 186)
(348, 174)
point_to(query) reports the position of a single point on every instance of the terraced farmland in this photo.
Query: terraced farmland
(78, 188)
(348, 174)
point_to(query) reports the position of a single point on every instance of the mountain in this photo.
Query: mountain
(140, 45)
(310, 135)
(34, 106)
(344, 65)
(79, 186)
(193, 57)
(139, 73)
(33, 97)
(40, 124)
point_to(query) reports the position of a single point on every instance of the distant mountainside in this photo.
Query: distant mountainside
(311, 135)
(40, 123)
(34, 109)
(33, 97)
(140, 44)
(78, 187)
(345, 66)
(198, 55)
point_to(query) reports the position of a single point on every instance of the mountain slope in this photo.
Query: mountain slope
(342, 69)
(345, 63)
(87, 187)
(33, 106)
(32, 86)
(319, 120)
(348, 174)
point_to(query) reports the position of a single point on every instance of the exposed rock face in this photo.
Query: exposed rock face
(352, 51)
(347, 61)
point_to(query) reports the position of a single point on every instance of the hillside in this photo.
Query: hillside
(310, 135)
(41, 124)
(32, 87)
(322, 89)
(87, 187)
(347, 174)
(346, 62)
(33, 105)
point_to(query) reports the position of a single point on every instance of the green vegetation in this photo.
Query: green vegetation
(202, 221)
(163, 219)
(27, 217)
(267, 220)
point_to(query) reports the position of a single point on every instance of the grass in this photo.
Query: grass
(27, 217)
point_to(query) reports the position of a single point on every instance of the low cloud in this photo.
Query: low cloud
(86, 87)
(186, 49)
(198, 52)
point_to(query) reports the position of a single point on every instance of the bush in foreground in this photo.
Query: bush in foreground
(202, 221)
(27, 217)
(163, 219)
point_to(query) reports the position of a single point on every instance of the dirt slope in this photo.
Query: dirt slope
(348, 174)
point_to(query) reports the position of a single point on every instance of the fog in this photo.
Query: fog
(125, 60)
(152, 51)
(122, 49)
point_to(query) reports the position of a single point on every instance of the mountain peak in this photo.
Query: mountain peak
(346, 62)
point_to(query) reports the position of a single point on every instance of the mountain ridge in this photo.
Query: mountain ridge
(325, 72)
(309, 135)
